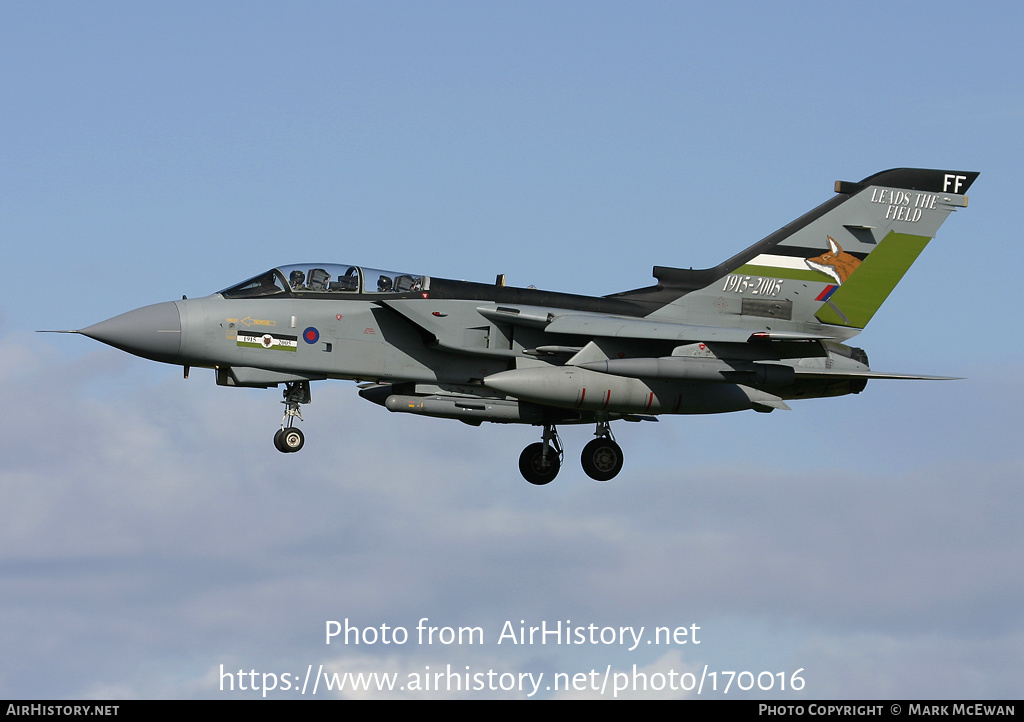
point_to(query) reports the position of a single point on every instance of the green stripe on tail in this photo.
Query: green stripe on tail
(874, 279)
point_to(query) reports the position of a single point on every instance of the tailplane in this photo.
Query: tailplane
(834, 265)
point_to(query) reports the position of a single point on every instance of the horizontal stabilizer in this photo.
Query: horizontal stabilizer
(839, 374)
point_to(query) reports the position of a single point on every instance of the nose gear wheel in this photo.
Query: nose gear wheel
(289, 440)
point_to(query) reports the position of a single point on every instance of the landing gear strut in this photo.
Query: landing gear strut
(539, 463)
(289, 438)
(602, 457)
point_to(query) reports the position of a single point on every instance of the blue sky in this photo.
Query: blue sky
(151, 532)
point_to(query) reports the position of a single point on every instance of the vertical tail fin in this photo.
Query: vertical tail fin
(834, 265)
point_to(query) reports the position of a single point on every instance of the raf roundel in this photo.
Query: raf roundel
(311, 335)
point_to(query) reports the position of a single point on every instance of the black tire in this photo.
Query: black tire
(534, 468)
(289, 440)
(602, 459)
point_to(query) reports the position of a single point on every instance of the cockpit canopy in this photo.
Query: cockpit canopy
(326, 279)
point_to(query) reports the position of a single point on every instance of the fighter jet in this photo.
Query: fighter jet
(764, 327)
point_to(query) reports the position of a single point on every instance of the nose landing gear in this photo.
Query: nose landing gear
(289, 438)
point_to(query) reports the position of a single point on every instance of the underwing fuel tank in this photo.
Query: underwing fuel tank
(574, 387)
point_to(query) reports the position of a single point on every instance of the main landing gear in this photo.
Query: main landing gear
(539, 463)
(601, 458)
(289, 438)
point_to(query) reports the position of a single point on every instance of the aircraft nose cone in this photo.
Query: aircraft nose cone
(153, 332)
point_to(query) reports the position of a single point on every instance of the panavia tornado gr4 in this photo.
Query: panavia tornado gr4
(766, 326)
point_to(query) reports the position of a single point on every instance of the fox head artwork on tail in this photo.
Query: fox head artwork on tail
(835, 262)
(764, 327)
